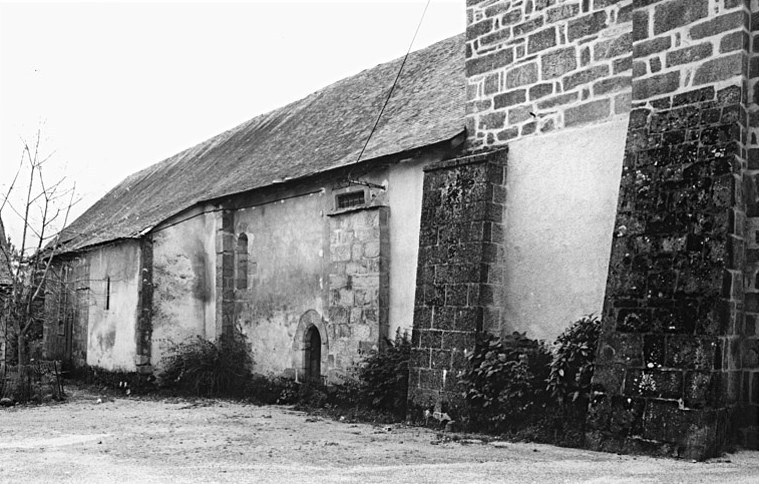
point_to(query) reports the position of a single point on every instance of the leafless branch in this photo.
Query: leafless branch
(41, 208)
(13, 184)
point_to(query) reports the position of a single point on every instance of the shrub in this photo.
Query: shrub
(505, 382)
(383, 377)
(376, 388)
(209, 368)
(266, 390)
(573, 362)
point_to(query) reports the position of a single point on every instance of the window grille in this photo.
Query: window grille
(350, 199)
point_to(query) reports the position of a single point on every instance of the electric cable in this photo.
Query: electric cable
(395, 82)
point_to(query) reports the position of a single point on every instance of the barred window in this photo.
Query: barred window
(350, 199)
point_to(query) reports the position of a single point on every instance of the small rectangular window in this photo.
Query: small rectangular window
(350, 199)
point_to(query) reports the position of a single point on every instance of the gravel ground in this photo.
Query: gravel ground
(176, 440)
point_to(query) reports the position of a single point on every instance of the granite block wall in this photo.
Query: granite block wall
(670, 368)
(535, 66)
(144, 336)
(225, 273)
(677, 367)
(359, 284)
(459, 274)
(748, 419)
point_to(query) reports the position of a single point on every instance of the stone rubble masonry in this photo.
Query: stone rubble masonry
(676, 371)
(359, 284)
(535, 66)
(225, 272)
(459, 274)
(144, 328)
(67, 306)
(749, 344)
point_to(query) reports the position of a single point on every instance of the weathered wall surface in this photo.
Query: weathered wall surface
(748, 419)
(536, 66)
(552, 80)
(184, 277)
(67, 301)
(677, 361)
(309, 263)
(561, 195)
(670, 369)
(286, 267)
(404, 196)
(460, 273)
(112, 318)
(358, 283)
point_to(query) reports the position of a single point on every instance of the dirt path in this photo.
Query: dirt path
(131, 440)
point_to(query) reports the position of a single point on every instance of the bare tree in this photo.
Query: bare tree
(43, 209)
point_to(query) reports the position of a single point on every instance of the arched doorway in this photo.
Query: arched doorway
(313, 354)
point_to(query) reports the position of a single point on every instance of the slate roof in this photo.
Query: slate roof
(324, 130)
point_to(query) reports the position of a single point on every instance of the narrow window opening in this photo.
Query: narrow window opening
(242, 262)
(350, 199)
(107, 293)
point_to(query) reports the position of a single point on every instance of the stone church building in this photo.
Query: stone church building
(560, 158)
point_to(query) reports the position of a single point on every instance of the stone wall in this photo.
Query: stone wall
(312, 263)
(669, 370)
(459, 274)
(748, 420)
(534, 66)
(280, 278)
(178, 292)
(678, 360)
(67, 299)
(358, 284)
(225, 273)
(292, 260)
(113, 285)
(144, 330)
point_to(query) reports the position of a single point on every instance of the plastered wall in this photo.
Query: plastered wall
(184, 297)
(293, 235)
(561, 195)
(307, 261)
(405, 199)
(112, 319)
(286, 269)
(294, 267)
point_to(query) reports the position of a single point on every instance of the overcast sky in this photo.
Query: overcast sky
(117, 87)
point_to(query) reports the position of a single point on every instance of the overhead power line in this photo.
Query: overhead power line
(395, 82)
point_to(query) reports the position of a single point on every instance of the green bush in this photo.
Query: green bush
(516, 385)
(209, 368)
(383, 377)
(266, 390)
(573, 362)
(505, 382)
